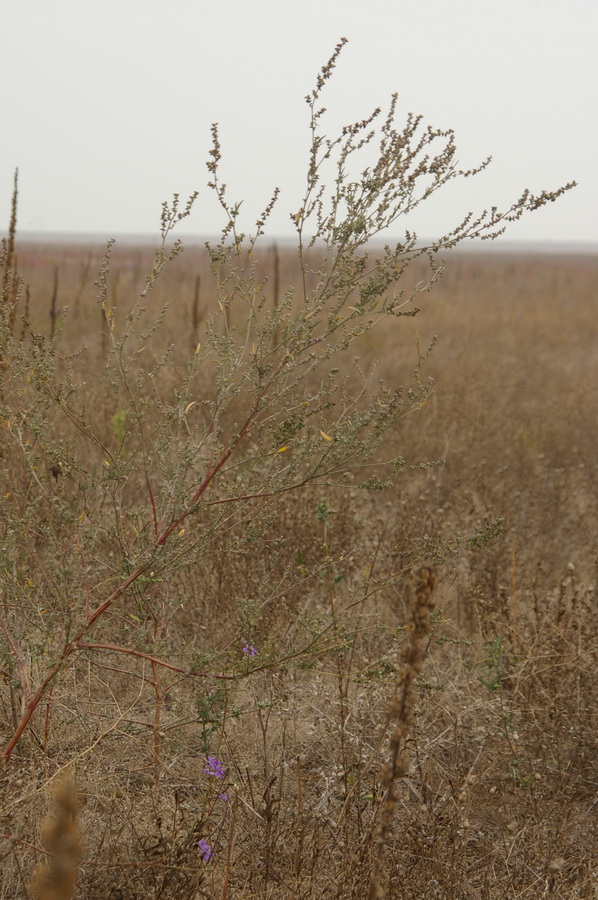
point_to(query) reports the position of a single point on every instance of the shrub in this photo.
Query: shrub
(181, 530)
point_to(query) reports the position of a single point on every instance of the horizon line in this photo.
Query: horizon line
(145, 238)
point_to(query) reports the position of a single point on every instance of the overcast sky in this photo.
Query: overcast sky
(107, 106)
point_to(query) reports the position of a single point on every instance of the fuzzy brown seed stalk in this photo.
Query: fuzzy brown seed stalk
(55, 879)
(402, 711)
(9, 247)
(12, 285)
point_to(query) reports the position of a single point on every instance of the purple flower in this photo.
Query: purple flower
(205, 851)
(250, 650)
(223, 796)
(214, 767)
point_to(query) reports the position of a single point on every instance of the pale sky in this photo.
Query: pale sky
(107, 106)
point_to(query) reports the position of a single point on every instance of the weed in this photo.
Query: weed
(210, 515)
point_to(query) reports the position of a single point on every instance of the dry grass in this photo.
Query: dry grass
(501, 796)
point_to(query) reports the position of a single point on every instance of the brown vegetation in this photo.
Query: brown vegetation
(163, 695)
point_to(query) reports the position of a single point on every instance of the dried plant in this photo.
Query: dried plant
(56, 877)
(13, 287)
(402, 711)
(195, 541)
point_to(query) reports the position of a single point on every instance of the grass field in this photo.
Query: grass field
(226, 716)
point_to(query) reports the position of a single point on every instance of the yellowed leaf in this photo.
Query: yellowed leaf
(282, 449)
(326, 436)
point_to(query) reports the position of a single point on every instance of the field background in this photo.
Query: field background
(502, 797)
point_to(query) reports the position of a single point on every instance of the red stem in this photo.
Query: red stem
(74, 645)
(116, 649)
